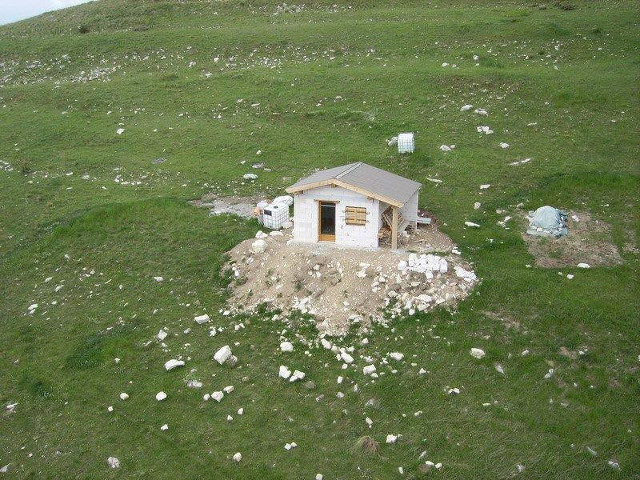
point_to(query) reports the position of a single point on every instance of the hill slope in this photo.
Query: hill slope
(115, 113)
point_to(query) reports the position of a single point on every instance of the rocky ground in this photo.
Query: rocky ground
(342, 287)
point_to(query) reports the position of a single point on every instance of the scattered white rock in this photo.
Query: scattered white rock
(466, 108)
(250, 176)
(484, 129)
(391, 438)
(217, 396)
(485, 186)
(319, 476)
(549, 374)
(120, 131)
(499, 368)
(222, 355)
(447, 148)
(570, 276)
(504, 145)
(286, 347)
(124, 396)
(113, 462)
(194, 384)
(284, 372)
(5, 469)
(453, 391)
(173, 363)
(161, 396)
(471, 224)
(200, 319)
(476, 205)
(161, 335)
(297, 375)
(614, 464)
(237, 457)
(164, 427)
(584, 265)
(396, 355)
(259, 246)
(346, 357)
(158, 279)
(369, 369)
(477, 353)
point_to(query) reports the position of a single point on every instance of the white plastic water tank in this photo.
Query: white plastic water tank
(405, 142)
(274, 216)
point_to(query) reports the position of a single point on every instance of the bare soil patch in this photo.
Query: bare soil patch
(217, 204)
(588, 241)
(341, 287)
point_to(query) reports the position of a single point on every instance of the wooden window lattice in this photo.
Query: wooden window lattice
(355, 215)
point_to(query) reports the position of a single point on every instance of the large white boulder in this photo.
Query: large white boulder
(173, 363)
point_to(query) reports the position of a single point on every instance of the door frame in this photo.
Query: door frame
(324, 237)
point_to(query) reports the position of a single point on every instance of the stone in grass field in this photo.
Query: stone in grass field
(124, 396)
(158, 279)
(161, 396)
(113, 462)
(368, 370)
(477, 353)
(584, 265)
(173, 363)
(346, 358)
(228, 389)
(200, 319)
(392, 438)
(396, 355)
(284, 372)
(297, 375)
(471, 224)
(237, 457)
(217, 396)
(319, 476)
(164, 427)
(286, 347)
(223, 354)
(161, 335)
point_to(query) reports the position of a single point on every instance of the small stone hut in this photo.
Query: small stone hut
(351, 205)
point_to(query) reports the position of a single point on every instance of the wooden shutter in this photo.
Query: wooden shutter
(355, 215)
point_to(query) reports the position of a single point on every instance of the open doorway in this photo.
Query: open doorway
(327, 222)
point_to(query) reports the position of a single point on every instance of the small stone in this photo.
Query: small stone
(297, 375)
(124, 396)
(161, 396)
(319, 476)
(477, 353)
(158, 279)
(200, 319)
(164, 427)
(471, 224)
(391, 438)
(173, 363)
(346, 358)
(284, 372)
(368, 370)
(222, 355)
(237, 457)
(217, 396)
(584, 265)
(258, 246)
(161, 335)
(396, 356)
(286, 347)
(113, 462)
(228, 389)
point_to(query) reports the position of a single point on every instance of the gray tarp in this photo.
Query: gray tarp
(548, 222)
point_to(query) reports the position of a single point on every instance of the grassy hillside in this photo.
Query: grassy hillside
(88, 216)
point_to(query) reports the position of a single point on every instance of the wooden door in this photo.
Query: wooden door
(326, 221)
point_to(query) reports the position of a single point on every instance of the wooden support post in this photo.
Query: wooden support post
(394, 229)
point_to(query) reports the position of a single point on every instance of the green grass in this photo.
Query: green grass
(332, 83)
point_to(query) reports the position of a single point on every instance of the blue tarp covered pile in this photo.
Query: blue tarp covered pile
(548, 222)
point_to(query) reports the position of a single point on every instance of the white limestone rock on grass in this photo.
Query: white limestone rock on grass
(391, 438)
(237, 457)
(284, 372)
(222, 355)
(173, 363)
(397, 356)
(369, 369)
(113, 462)
(160, 396)
(124, 396)
(297, 375)
(217, 396)
(200, 319)
(161, 335)
(286, 347)
(477, 353)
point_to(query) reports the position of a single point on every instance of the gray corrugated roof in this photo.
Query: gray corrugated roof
(379, 183)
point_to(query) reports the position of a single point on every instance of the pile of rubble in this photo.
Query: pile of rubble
(341, 286)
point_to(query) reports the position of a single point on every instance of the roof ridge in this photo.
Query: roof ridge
(349, 170)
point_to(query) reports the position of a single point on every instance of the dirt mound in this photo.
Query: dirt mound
(343, 286)
(588, 241)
